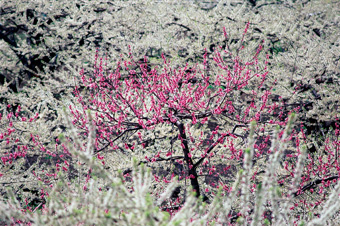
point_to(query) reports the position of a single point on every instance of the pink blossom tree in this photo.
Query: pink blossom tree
(196, 120)
(135, 99)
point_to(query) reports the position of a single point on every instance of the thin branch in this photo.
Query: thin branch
(313, 184)
(216, 143)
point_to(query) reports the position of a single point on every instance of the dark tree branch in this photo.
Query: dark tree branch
(192, 170)
(119, 136)
(216, 143)
(313, 184)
